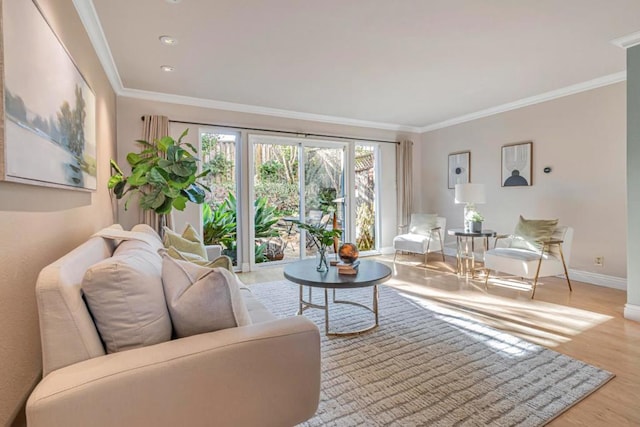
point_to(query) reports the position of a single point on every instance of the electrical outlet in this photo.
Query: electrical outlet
(599, 261)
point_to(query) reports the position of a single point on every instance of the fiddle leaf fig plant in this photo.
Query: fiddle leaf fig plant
(163, 174)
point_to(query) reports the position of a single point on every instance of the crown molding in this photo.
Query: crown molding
(625, 42)
(543, 97)
(266, 111)
(91, 22)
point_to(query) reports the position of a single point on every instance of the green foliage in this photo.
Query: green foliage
(163, 174)
(220, 226)
(219, 165)
(282, 196)
(265, 218)
(365, 219)
(271, 171)
(319, 231)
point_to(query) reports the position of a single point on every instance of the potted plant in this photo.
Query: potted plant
(324, 238)
(473, 222)
(164, 175)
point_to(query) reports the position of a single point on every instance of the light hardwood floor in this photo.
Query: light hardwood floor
(587, 324)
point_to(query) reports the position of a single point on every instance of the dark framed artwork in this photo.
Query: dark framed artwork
(459, 168)
(49, 110)
(517, 164)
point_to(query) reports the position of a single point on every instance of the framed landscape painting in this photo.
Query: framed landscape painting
(49, 109)
(517, 164)
(459, 168)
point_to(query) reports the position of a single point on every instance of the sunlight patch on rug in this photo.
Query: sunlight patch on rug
(429, 365)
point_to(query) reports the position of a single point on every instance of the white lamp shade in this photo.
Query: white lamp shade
(470, 193)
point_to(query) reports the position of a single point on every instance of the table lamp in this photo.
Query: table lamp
(470, 194)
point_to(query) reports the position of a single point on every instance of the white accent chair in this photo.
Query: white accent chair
(424, 235)
(532, 264)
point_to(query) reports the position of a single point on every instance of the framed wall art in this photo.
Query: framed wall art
(517, 164)
(49, 109)
(459, 168)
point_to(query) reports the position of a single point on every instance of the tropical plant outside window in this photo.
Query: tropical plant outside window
(365, 162)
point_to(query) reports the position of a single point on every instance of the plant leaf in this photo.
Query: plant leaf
(114, 166)
(180, 203)
(194, 194)
(186, 131)
(133, 159)
(164, 143)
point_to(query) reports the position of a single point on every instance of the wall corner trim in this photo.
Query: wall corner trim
(536, 99)
(632, 312)
(625, 42)
(89, 17)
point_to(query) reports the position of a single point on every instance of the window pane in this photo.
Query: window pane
(220, 210)
(365, 162)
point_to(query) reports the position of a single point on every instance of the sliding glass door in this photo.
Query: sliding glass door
(220, 152)
(293, 180)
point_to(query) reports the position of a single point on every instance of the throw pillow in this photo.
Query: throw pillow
(529, 232)
(125, 296)
(202, 299)
(423, 223)
(222, 261)
(189, 241)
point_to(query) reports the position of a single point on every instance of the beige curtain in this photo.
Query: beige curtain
(404, 181)
(153, 128)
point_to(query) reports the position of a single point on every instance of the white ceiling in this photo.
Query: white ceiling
(410, 63)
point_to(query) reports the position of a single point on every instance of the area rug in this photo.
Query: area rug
(428, 366)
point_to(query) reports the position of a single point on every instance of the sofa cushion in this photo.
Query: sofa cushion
(189, 241)
(257, 311)
(125, 296)
(202, 299)
(530, 231)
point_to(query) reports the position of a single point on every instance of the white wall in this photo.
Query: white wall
(39, 225)
(582, 137)
(130, 128)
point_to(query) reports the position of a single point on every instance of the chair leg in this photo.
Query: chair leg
(565, 269)
(426, 254)
(441, 245)
(535, 279)
(486, 279)
(394, 257)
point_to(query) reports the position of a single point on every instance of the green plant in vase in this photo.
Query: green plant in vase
(473, 221)
(324, 238)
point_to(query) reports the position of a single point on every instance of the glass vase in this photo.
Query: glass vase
(322, 264)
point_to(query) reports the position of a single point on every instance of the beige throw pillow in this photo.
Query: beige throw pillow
(222, 261)
(529, 232)
(126, 299)
(189, 241)
(423, 223)
(202, 299)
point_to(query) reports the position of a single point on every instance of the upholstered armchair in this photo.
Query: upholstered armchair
(423, 235)
(529, 258)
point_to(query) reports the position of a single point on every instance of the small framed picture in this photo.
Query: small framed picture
(517, 164)
(459, 168)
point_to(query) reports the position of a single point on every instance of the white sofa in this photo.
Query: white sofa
(265, 374)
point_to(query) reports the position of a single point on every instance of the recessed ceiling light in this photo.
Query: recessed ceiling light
(168, 40)
(173, 1)
(167, 68)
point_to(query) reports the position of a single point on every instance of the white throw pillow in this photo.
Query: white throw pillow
(202, 299)
(423, 223)
(125, 296)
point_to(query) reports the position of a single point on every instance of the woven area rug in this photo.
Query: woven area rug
(427, 366)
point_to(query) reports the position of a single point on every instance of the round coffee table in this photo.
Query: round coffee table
(370, 274)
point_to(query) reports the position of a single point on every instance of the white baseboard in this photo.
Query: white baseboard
(632, 312)
(581, 276)
(388, 250)
(598, 279)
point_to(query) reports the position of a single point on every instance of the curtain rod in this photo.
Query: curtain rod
(305, 134)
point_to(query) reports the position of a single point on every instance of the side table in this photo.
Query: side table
(465, 257)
